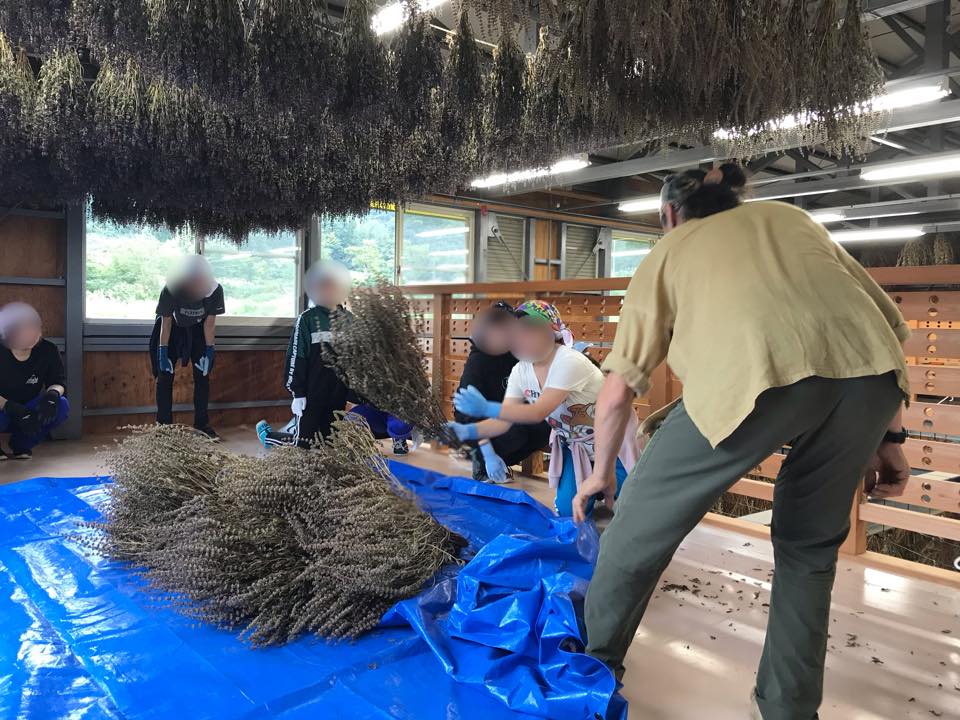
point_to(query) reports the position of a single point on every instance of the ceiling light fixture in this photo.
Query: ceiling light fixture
(827, 217)
(558, 168)
(641, 205)
(908, 97)
(392, 16)
(904, 232)
(941, 166)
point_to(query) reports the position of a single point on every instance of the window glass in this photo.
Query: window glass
(259, 278)
(365, 244)
(127, 267)
(629, 250)
(436, 245)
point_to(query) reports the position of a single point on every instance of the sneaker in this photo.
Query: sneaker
(507, 479)
(400, 447)
(264, 429)
(210, 433)
(20, 454)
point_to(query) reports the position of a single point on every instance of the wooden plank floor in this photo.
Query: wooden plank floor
(895, 640)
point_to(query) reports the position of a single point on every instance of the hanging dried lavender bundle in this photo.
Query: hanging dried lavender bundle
(111, 28)
(943, 251)
(503, 116)
(462, 94)
(297, 542)
(39, 26)
(377, 354)
(918, 251)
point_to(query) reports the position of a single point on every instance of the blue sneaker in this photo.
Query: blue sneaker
(264, 429)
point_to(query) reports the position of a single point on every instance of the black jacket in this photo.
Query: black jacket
(487, 373)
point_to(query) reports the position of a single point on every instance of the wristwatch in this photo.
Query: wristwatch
(897, 438)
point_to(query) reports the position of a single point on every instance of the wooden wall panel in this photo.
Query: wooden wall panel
(928, 306)
(124, 379)
(933, 345)
(32, 247)
(49, 301)
(934, 380)
(932, 418)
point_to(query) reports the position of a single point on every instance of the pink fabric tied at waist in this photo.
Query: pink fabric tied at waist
(582, 465)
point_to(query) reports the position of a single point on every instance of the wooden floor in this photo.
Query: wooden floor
(895, 640)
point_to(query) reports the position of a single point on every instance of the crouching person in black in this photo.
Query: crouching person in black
(32, 390)
(185, 333)
(487, 369)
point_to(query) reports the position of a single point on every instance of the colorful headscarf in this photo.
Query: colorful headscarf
(548, 313)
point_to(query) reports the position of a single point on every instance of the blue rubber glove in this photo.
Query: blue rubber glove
(495, 466)
(164, 364)
(464, 431)
(471, 401)
(205, 364)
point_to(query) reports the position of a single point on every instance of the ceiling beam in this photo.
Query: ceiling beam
(903, 119)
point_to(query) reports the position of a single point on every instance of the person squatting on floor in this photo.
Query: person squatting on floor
(488, 369)
(32, 381)
(780, 338)
(551, 382)
(185, 333)
(317, 391)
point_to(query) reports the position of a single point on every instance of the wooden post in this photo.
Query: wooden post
(856, 542)
(441, 339)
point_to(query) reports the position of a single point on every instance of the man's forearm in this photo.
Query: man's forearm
(210, 330)
(166, 325)
(896, 425)
(614, 406)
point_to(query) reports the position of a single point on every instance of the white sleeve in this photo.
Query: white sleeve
(571, 371)
(514, 384)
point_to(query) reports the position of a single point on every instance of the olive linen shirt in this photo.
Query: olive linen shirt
(750, 299)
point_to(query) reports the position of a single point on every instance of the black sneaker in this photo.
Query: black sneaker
(210, 433)
(400, 447)
(20, 454)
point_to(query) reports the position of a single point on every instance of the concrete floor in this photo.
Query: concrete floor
(895, 645)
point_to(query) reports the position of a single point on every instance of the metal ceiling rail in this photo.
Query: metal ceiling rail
(923, 205)
(901, 119)
(876, 9)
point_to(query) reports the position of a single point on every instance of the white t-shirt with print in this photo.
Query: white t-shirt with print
(571, 371)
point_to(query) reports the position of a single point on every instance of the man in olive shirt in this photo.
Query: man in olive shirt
(780, 338)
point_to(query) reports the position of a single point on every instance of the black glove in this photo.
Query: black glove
(47, 407)
(22, 418)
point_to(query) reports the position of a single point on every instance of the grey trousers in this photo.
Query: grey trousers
(834, 427)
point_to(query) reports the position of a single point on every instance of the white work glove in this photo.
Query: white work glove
(298, 406)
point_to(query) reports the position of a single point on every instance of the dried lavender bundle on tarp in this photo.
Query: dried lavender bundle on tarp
(297, 542)
(374, 350)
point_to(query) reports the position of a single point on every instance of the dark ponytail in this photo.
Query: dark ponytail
(698, 194)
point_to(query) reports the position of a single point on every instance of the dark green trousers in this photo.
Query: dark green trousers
(834, 427)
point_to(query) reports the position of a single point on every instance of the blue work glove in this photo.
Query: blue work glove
(471, 401)
(464, 431)
(205, 364)
(495, 466)
(164, 364)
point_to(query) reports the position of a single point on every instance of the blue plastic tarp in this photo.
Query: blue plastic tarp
(497, 638)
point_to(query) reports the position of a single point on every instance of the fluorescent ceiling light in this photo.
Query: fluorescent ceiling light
(448, 253)
(444, 232)
(644, 204)
(558, 168)
(904, 232)
(632, 253)
(792, 195)
(392, 16)
(827, 217)
(941, 166)
(908, 97)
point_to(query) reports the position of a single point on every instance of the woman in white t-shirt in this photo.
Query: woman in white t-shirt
(552, 382)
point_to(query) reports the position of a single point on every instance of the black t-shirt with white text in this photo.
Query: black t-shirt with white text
(21, 381)
(186, 312)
